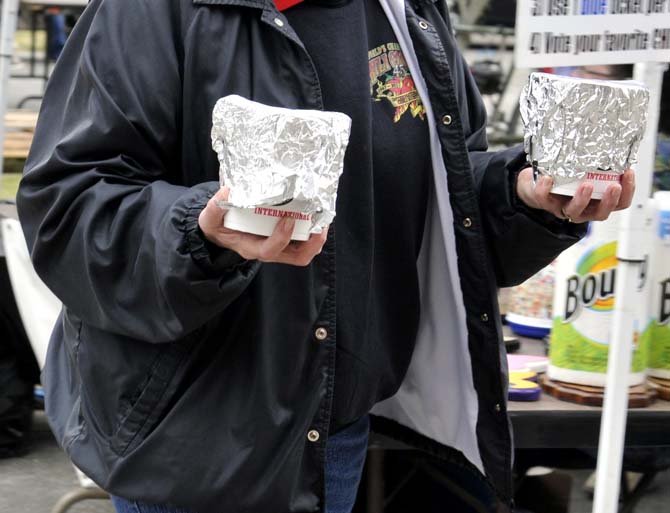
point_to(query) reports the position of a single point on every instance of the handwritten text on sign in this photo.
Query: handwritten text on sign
(574, 32)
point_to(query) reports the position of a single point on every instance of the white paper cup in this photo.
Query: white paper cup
(262, 220)
(599, 180)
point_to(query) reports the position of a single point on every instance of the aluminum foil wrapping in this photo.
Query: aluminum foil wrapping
(577, 128)
(270, 156)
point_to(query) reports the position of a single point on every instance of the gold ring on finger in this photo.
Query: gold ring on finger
(566, 216)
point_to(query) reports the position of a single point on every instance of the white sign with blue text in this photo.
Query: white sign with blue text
(579, 32)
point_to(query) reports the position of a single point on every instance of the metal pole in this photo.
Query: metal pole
(631, 257)
(10, 13)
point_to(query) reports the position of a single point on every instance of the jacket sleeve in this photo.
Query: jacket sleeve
(110, 226)
(521, 240)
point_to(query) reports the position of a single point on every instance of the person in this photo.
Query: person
(200, 369)
(57, 36)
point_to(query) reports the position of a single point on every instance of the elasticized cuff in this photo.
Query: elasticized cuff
(208, 256)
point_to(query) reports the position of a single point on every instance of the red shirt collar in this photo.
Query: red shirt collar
(282, 5)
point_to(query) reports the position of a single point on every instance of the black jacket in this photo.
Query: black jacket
(181, 373)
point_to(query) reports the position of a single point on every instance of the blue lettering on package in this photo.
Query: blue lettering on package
(594, 7)
(664, 225)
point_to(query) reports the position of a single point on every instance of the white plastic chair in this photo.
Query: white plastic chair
(39, 309)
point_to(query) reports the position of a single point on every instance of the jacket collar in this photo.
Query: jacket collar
(259, 4)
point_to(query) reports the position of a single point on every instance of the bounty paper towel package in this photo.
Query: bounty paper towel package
(659, 330)
(584, 307)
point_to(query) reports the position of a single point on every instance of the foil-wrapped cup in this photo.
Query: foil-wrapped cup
(278, 163)
(581, 129)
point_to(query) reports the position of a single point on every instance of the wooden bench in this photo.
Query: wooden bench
(19, 126)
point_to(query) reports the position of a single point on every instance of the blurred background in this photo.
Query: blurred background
(556, 430)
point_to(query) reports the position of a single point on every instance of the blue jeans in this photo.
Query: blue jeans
(345, 456)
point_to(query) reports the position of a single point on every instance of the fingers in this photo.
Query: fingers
(582, 206)
(257, 247)
(278, 248)
(271, 248)
(302, 253)
(211, 217)
(575, 207)
(275, 248)
(627, 189)
(220, 196)
(608, 203)
(544, 199)
(615, 197)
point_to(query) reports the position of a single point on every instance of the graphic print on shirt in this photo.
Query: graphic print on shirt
(391, 80)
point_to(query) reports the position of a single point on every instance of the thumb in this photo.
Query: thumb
(220, 199)
(222, 196)
(213, 213)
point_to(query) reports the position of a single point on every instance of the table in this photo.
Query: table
(546, 428)
(20, 126)
(556, 424)
(552, 423)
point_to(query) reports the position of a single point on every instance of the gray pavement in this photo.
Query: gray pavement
(33, 483)
(20, 88)
(655, 500)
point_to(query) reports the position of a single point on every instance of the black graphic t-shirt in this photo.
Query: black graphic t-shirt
(382, 196)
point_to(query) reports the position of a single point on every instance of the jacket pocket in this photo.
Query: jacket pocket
(153, 396)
